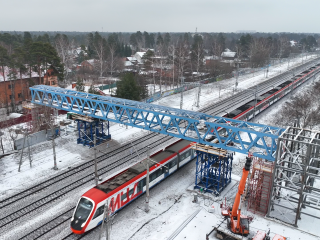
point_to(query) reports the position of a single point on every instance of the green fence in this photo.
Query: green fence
(104, 87)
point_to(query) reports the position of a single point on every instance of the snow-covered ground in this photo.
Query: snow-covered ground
(170, 203)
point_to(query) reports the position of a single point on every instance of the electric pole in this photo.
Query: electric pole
(237, 75)
(96, 177)
(181, 98)
(20, 163)
(255, 102)
(198, 97)
(147, 181)
(54, 149)
(106, 218)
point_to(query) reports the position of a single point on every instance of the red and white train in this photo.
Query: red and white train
(129, 184)
(123, 188)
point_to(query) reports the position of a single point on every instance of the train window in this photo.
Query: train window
(153, 176)
(172, 163)
(124, 196)
(84, 208)
(131, 191)
(99, 211)
(141, 184)
(159, 172)
(182, 157)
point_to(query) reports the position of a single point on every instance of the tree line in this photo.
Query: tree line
(22, 55)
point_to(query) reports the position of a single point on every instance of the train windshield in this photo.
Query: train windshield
(84, 208)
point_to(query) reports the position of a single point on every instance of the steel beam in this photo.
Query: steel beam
(231, 134)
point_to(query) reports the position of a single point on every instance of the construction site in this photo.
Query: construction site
(210, 177)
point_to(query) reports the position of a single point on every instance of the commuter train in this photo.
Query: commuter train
(123, 188)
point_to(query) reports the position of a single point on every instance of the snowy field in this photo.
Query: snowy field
(171, 204)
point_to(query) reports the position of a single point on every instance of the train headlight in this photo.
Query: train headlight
(72, 219)
(82, 225)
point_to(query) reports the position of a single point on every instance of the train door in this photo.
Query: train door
(166, 170)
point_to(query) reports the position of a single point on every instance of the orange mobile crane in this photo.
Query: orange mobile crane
(237, 223)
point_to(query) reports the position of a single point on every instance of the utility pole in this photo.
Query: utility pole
(237, 76)
(198, 97)
(1, 145)
(54, 150)
(255, 102)
(147, 181)
(181, 97)
(29, 150)
(20, 163)
(96, 177)
(219, 90)
(107, 218)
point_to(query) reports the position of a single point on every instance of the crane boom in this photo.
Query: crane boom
(242, 184)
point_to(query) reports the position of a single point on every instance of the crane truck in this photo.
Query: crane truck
(235, 225)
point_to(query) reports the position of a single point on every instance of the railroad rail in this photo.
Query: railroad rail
(5, 203)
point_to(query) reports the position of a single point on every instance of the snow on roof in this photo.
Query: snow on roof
(293, 43)
(228, 54)
(127, 63)
(140, 53)
(199, 73)
(131, 58)
(91, 61)
(24, 75)
(14, 115)
(163, 66)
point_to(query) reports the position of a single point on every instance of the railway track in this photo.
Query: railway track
(49, 226)
(21, 197)
(47, 183)
(41, 204)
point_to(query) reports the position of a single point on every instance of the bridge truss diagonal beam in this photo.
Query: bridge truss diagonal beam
(229, 134)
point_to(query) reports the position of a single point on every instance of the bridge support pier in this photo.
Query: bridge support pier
(213, 169)
(88, 129)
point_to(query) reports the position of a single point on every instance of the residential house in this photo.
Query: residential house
(50, 78)
(14, 88)
(88, 65)
(139, 56)
(228, 55)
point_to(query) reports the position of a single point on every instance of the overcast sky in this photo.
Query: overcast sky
(160, 15)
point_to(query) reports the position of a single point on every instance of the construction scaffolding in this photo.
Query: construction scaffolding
(89, 127)
(213, 168)
(259, 186)
(295, 189)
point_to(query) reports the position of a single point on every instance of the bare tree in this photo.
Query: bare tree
(197, 54)
(259, 52)
(161, 61)
(172, 53)
(182, 57)
(112, 59)
(217, 47)
(47, 121)
(304, 107)
(64, 49)
(99, 44)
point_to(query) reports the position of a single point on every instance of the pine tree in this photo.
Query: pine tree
(92, 90)
(127, 88)
(4, 61)
(80, 85)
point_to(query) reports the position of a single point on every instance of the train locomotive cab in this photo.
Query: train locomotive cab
(81, 215)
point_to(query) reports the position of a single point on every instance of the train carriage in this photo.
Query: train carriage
(123, 188)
